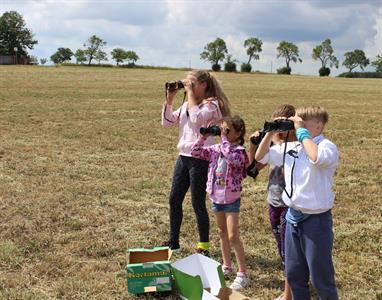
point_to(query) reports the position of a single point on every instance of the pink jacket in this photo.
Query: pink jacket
(237, 161)
(190, 121)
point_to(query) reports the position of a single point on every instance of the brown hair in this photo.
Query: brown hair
(213, 89)
(238, 124)
(285, 110)
(313, 112)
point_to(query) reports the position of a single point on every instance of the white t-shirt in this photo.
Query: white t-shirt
(312, 182)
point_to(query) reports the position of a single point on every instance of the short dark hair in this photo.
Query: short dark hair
(285, 110)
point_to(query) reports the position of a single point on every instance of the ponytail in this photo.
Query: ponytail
(221, 97)
(214, 90)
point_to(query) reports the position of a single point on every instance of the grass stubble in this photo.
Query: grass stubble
(86, 170)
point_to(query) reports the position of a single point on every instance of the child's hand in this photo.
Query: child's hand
(171, 96)
(254, 139)
(298, 122)
(188, 85)
(224, 130)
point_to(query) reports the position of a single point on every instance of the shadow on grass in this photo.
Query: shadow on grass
(269, 266)
(271, 283)
(263, 263)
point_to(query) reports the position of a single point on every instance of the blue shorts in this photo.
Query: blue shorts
(233, 207)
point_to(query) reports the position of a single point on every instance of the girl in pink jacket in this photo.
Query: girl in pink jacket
(227, 169)
(205, 104)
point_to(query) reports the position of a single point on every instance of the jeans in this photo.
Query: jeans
(308, 253)
(233, 207)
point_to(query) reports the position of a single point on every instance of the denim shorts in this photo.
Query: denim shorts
(233, 207)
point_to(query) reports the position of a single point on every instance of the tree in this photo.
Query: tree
(93, 46)
(214, 52)
(132, 57)
(245, 67)
(378, 64)
(324, 53)
(253, 46)
(43, 61)
(80, 56)
(100, 56)
(230, 65)
(289, 51)
(14, 34)
(119, 55)
(61, 55)
(356, 58)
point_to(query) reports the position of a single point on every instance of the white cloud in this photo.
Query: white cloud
(374, 45)
(174, 32)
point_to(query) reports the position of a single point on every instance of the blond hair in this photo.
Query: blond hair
(313, 113)
(213, 89)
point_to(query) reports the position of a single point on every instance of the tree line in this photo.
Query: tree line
(15, 35)
(93, 50)
(216, 51)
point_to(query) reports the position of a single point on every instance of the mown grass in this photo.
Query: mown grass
(86, 170)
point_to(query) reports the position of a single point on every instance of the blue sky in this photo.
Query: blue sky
(174, 32)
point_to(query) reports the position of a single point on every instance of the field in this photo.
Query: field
(85, 170)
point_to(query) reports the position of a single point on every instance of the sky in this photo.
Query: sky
(173, 33)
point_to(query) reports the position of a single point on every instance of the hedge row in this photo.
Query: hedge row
(361, 75)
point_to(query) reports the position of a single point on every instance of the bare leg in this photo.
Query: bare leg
(287, 291)
(234, 239)
(224, 241)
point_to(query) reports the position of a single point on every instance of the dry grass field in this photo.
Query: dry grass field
(85, 171)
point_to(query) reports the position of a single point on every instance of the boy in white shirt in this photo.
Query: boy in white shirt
(309, 167)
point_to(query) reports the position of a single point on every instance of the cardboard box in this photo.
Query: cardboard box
(149, 270)
(198, 277)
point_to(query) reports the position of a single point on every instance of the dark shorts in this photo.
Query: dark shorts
(227, 208)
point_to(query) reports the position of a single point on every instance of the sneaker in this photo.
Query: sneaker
(240, 282)
(204, 252)
(227, 270)
(174, 246)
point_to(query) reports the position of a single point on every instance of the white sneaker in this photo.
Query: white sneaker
(226, 270)
(240, 282)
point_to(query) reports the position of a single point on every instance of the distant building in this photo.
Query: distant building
(11, 60)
